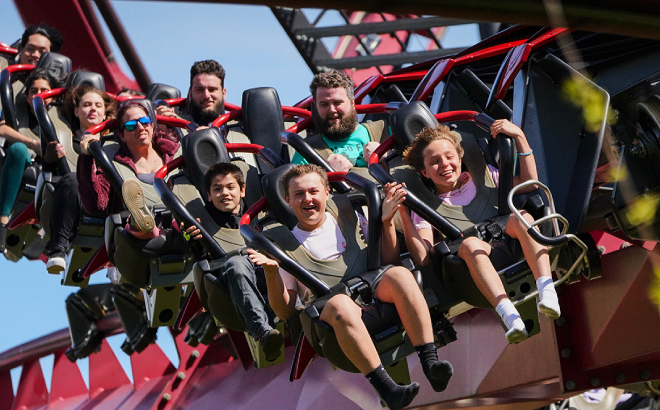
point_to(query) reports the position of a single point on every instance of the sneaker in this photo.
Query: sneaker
(34, 250)
(3, 237)
(134, 200)
(517, 333)
(271, 342)
(56, 263)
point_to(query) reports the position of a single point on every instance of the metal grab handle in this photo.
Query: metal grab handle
(553, 214)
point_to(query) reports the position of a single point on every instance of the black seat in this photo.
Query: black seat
(159, 91)
(263, 121)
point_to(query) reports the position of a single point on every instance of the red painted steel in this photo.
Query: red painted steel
(167, 168)
(366, 87)
(51, 93)
(19, 68)
(303, 359)
(105, 372)
(191, 308)
(66, 380)
(432, 78)
(149, 364)
(378, 153)
(6, 390)
(456, 116)
(27, 216)
(225, 118)
(99, 261)
(253, 211)
(32, 391)
(241, 347)
(7, 49)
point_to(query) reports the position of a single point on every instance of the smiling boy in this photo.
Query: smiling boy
(225, 190)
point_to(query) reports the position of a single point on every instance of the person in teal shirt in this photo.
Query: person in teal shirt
(343, 142)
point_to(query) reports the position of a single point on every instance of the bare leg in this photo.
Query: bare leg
(535, 253)
(345, 317)
(475, 253)
(399, 287)
(4, 220)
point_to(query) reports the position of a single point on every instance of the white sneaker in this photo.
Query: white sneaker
(56, 264)
(134, 200)
(517, 333)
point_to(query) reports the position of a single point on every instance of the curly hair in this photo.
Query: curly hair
(75, 95)
(52, 34)
(332, 79)
(300, 170)
(414, 154)
(210, 67)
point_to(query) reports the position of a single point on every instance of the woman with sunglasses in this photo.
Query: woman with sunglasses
(84, 106)
(144, 149)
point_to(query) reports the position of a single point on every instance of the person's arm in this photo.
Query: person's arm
(394, 196)
(13, 136)
(418, 241)
(525, 153)
(281, 299)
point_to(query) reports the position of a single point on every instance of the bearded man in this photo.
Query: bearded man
(341, 140)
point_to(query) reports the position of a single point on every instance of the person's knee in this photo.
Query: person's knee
(472, 246)
(514, 226)
(238, 265)
(400, 278)
(18, 153)
(341, 310)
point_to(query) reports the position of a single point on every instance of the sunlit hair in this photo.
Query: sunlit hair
(210, 67)
(332, 79)
(414, 154)
(223, 168)
(75, 95)
(300, 170)
(126, 104)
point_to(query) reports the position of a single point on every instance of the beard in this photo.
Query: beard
(205, 116)
(339, 130)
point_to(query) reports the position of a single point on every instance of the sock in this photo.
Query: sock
(548, 302)
(507, 312)
(397, 397)
(438, 372)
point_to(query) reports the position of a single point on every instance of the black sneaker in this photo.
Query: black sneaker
(34, 250)
(3, 237)
(271, 342)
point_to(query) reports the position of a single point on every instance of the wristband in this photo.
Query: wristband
(525, 154)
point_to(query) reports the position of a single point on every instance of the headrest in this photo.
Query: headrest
(201, 149)
(78, 78)
(158, 91)
(57, 64)
(274, 193)
(409, 120)
(262, 117)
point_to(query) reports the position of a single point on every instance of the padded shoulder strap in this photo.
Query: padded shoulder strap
(316, 142)
(377, 130)
(65, 136)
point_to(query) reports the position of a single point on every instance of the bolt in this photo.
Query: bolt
(645, 374)
(565, 353)
(195, 354)
(601, 249)
(561, 321)
(620, 378)
(221, 330)
(153, 261)
(181, 375)
(595, 381)
(570, 385)
(167, 397)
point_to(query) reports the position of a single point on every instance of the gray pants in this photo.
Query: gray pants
(243, 280)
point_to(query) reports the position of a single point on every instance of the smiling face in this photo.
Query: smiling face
(335, 115)
(208, 96)
(90, 111)
(226, 193)
(36, 45)
(307, 196)
(141, 136)
(442, 165)
(38, 86)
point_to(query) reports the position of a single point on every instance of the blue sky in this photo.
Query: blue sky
(255, 52)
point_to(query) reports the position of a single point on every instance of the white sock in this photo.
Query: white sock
(507, 312)
(548, 302)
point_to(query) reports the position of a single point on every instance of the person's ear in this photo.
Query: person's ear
(424, 173)
(243, 191)
(208, 195)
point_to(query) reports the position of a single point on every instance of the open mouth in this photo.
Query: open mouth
(309, 208)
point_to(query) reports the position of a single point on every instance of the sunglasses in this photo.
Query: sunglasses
(132, 125)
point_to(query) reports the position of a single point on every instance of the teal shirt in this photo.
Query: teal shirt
(351, 147)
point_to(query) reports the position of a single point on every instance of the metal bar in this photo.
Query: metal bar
(319, 17)
(124, 43)
(384, 27)
(387, 59)
(90, 15)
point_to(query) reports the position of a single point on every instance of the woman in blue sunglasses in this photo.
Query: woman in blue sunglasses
(143, 150)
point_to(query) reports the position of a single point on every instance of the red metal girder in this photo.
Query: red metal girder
(609, 333)
(80, 43)
(100, 260)
(150, 364)
(66, 380)
(305, 354)
(27, 216)
(366, 87)
(105, 372)
(32, 391)
(191, 308)
(241, 347)
(511, 66)
(431, 80)
(6, 391)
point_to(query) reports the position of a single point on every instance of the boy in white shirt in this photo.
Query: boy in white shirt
(307, 193)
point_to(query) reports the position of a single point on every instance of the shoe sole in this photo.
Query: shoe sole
(56, 269)
(272, 347)
(135, 202)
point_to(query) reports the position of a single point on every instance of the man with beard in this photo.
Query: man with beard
(206, 94)
(341, 140)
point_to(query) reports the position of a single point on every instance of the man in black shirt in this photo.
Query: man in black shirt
(225, 188)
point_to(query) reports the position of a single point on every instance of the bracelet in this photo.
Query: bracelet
(525, 154)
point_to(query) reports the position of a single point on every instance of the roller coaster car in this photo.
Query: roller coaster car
(201, 149)
(449, 277)
(55, 127)
(355, 273)
(13, 97)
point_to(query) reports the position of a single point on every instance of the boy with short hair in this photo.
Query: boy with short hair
(307, 191)
(225, 188)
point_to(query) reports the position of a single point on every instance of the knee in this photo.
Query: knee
(239, 266)
(18, 152)
(341, 310)
(400, 278)
(472, 246)
(514, 226)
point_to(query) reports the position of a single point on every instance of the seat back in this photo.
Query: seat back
(263, 121)
(159, 91)
(78, 78)
(58, 65)
(201, 149)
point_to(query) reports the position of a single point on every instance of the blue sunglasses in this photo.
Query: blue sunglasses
(132, 125)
